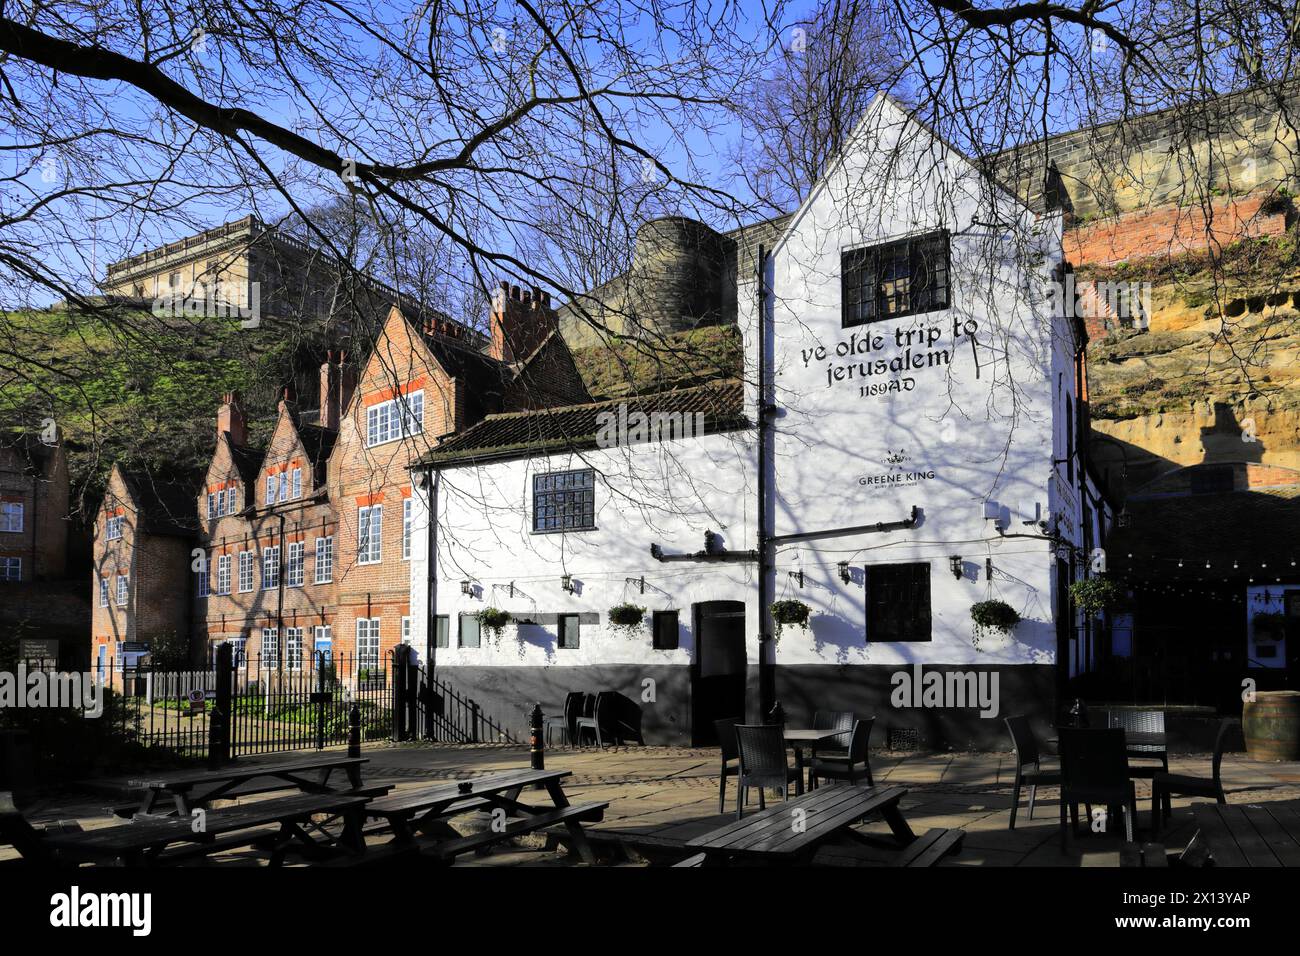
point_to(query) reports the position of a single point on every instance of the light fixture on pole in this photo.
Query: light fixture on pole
(466, 588)
(954, 564)
(566, 583)
(845, 576)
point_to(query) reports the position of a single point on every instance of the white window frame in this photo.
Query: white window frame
(271, 559)
(368, 633)
(370, 534)
(295, 489)
(325, 559)
(316, 636)
(399, 417)
(247, 571)
(284, 486)
(113, 528)
(212, 506)
(232, 497)
(295, 572)
(293, 648)
(123, 589)
(11, 569)
(271, 486)
(223, 574)
(271, 661)
(103, 591)
(406, 629)
(12, 516)
(408, 519)
(203, 579)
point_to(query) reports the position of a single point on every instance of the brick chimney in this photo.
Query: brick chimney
(230, 419)
(520, 322)
(338, 380)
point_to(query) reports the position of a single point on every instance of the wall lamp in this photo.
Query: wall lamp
(844, 572)
(566, 583)
(954, 564)
(466, 588)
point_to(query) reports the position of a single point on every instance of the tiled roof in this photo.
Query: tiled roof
(523, 434)
(248, 461)
(167, 504)
(1250, 527)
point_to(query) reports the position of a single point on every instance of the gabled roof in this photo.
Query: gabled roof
(29, 447)
(512, 435)
(248, 461)
(165, 504)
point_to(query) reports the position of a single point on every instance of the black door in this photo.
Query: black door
(718, 671)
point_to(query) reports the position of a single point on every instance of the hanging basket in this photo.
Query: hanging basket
(1095, 595)
(493, 620)
(993, 615)
(626, 618)
(789, 614)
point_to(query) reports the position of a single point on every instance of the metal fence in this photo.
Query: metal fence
(280, 705)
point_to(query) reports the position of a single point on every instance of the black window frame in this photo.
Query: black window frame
(899, 603)
(861, 270)
(551, 504)
(460, 632)
(673, 621)
(560, 641)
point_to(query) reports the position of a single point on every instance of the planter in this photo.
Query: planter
(789, 614)
(1271, 725)
(626, 618)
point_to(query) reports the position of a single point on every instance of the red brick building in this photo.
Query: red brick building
(304, 545)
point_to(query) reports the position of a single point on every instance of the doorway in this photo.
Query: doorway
(718, 670)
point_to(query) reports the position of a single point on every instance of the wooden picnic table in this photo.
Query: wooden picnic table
(427, 810)
(217, 784)
(144, 842)
(1263, 834)
(792, 831)
(800, 737)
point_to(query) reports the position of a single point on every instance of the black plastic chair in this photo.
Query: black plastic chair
(590, 718)
(1142, 722)
(1029, 768)
(726, 730)
(855, 763)
(834, 720)
(1165, 785)
(763, 764)
(1094, 770)
(566, 721)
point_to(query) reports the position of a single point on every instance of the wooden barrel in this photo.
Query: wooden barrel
(1271, 725)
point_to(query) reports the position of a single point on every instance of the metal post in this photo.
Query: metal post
(473, 721)
(354, 731)
(219, 722)
(536, 743)
(400, 661)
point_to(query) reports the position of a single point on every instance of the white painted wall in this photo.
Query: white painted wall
(987, 435)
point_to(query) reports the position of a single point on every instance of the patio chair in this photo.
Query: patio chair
(1142, 722)
(1165, 785)
(621, 719)
(726, 730)
(585, 720)
(763, 764)
(1029, 768)
(1094, 770)
(602, 722)
(565, 721)
(855, 763)
(834, 720)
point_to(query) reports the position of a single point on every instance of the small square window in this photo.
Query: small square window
(665, 631)
(470, 635)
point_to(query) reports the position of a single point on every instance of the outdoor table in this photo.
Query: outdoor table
(800, 737)
(427, 809)
(143, 842)
(1263, 834)
(791, 832)
(219, 783)
(1136, 743)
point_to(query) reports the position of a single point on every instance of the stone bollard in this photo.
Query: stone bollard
(536, 743)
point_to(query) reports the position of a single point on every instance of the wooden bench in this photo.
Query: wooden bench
(931, 847)
(577, 813)
(388, 854)
(696, 860)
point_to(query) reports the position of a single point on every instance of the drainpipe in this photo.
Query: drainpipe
(431, 478)
(766, 668)
(279, 606)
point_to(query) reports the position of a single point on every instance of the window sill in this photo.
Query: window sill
(564, 530)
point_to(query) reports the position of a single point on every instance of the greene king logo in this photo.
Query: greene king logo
(623, 427)
(77, 909)
(215, 300)
(51, 689)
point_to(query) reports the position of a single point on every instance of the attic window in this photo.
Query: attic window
(895, 279)
(113, 528)
(395, 418)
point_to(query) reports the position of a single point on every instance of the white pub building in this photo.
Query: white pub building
(903, 447)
